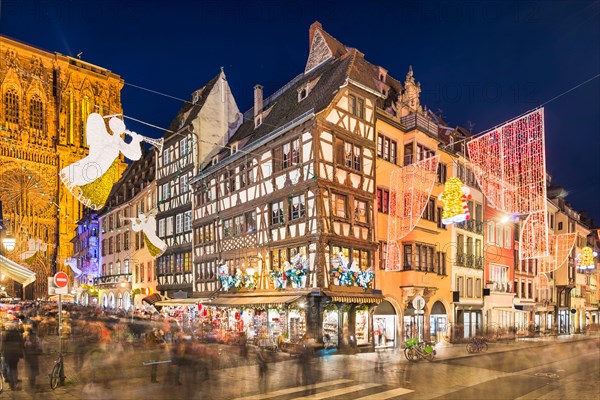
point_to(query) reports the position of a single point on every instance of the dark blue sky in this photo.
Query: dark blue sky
(478, 61)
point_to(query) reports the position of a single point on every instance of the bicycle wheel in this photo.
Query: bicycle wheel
(411, 354)
(1, 382)
(470, 348)
(484, 346)
(55, 376)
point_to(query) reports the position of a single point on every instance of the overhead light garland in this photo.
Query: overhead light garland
(560, 246)
(410, 188)
(510, 166)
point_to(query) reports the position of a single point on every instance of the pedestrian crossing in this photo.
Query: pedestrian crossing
(348, 390)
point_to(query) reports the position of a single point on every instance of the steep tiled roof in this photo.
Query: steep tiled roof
(192, 109)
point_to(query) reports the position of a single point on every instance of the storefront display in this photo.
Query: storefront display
(276, 324)
(362, 327)
(296, 325)
(384, 330)
(330, 328)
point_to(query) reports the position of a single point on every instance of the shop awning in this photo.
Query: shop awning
(16, 272)
(358, 298)
(179, 302)
(152, 299)
(253, 300)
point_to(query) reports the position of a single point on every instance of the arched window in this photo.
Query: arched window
(36, 113)
(85, 111)
(11, 101)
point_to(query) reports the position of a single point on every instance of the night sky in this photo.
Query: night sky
(479, 63)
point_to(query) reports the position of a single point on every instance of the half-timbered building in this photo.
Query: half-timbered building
(292, 194)
(203, 124)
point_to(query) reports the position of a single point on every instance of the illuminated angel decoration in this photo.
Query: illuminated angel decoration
(585, 260)
(72, 263)
(91, 179)
(455, 197)
(147, 225)
(34, 247)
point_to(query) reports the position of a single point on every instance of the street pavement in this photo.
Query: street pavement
(564, 367)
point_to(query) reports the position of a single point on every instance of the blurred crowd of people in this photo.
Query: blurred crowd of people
(102, 345)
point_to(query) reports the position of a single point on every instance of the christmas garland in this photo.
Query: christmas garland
(278, 278)
(295, 270)
(350, 275)
(238, 280)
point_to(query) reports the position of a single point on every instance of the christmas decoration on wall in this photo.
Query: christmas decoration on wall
(510, 166)
(278, 279)
(147, 225)
(585, 260)
(345, 273)
(560, 246)
(410, 188)
(72, 263)
(91, 179)
(455, 197)
(296, 271)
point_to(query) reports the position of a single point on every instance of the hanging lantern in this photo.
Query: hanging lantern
(455, 197)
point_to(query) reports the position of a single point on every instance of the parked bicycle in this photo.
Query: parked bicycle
(477, 345)
(416, 351)
(57, 375)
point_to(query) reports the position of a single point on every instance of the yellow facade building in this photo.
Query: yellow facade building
(45, 100)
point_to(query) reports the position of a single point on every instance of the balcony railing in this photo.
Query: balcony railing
(469, 260)
(502, 287)
(472, 226)
(112, 279)
(418, 121)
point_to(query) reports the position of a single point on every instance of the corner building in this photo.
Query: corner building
(295, 182)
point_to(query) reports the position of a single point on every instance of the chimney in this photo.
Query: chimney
(258, 105)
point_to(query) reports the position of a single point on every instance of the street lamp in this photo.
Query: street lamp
(9, 242)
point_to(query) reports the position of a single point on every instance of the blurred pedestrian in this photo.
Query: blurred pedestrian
(32, 357)
(153, 345)
(13, 352)
(263, 366)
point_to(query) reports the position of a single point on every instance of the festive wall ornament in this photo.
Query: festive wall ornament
(510, 166)
(410, 188)
(296, 271)
(91, 179)
(340, 271)
(560, 246)
(147, 224)
(455, 197)
(585, 260)
(278, 279)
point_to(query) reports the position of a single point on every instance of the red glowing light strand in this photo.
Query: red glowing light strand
(560, 246)
(410, 189)
(510, 166)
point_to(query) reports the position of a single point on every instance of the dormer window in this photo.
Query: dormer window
(234, 148)
(215, 160)
(181, 122)
(302, 93)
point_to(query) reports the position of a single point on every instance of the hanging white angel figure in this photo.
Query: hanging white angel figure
(34, 246)
(72, 262)
(147, 225)
(91, 179)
